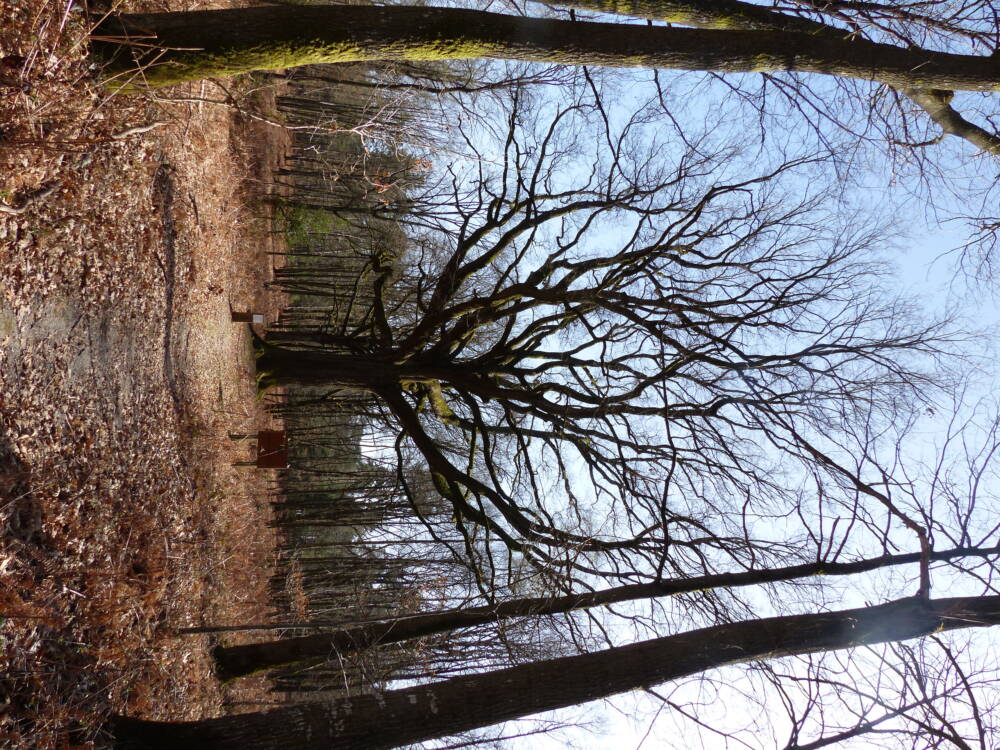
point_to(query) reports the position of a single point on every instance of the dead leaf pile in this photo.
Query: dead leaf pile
(121, 518)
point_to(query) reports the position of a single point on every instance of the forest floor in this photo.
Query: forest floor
(129, 229)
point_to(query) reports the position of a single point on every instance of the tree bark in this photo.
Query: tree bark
(280, 366)
(937, 104)
(440, 709)
(238, 661)
(184, 46)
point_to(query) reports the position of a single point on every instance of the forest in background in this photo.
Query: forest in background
(355, 549)
(566, 366)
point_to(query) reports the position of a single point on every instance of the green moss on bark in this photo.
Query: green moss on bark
(175, 48)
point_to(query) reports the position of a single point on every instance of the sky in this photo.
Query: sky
(924, 260)
(635, 721)
(922, 254)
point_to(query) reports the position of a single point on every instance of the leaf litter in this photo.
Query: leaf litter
(131, 229)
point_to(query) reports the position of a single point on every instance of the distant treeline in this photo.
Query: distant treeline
(361, 539)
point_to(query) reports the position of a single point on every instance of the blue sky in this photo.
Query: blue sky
(919, 246)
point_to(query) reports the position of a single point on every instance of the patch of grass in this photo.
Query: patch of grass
(301, 224)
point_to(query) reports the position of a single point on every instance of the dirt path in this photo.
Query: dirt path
(121, 516)
(163, 202)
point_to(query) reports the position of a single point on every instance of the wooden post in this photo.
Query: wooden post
(247, 317)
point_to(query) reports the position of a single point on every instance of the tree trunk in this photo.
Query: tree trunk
(239, 661)
(279, 366)
(186, 46)
(440, 709)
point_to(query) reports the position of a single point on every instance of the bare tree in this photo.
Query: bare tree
(591, 402)
(196, 44)
(238, 661)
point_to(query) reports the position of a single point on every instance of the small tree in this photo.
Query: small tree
(238, 661)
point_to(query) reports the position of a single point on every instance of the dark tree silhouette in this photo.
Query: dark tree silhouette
(413, 714)
(599, 336)
(242, 660)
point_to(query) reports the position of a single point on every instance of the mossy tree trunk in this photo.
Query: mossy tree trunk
(185, 46)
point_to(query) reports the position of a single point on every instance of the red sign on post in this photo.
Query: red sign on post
(272, 449)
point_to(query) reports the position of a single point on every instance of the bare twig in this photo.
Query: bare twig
(29, 200)
(138, 129)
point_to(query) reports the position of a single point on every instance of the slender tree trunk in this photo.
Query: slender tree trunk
(736, 14)
(192, 45)
(238, 661)
(440, 709)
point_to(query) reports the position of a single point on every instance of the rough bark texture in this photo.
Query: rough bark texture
(238, 661)
(702, 14)
(439, 709)
(370, 373)
(279, 366)
(194, 45)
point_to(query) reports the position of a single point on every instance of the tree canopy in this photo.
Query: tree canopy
(592, 311)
